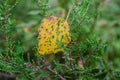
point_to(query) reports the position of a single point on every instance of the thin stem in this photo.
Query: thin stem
(54, 72)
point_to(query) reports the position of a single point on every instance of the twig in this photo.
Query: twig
(54, 72)
(68, 14)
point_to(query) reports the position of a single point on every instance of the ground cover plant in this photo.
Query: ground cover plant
(90, 53)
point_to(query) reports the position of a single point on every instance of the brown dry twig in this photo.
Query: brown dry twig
(52, 71)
